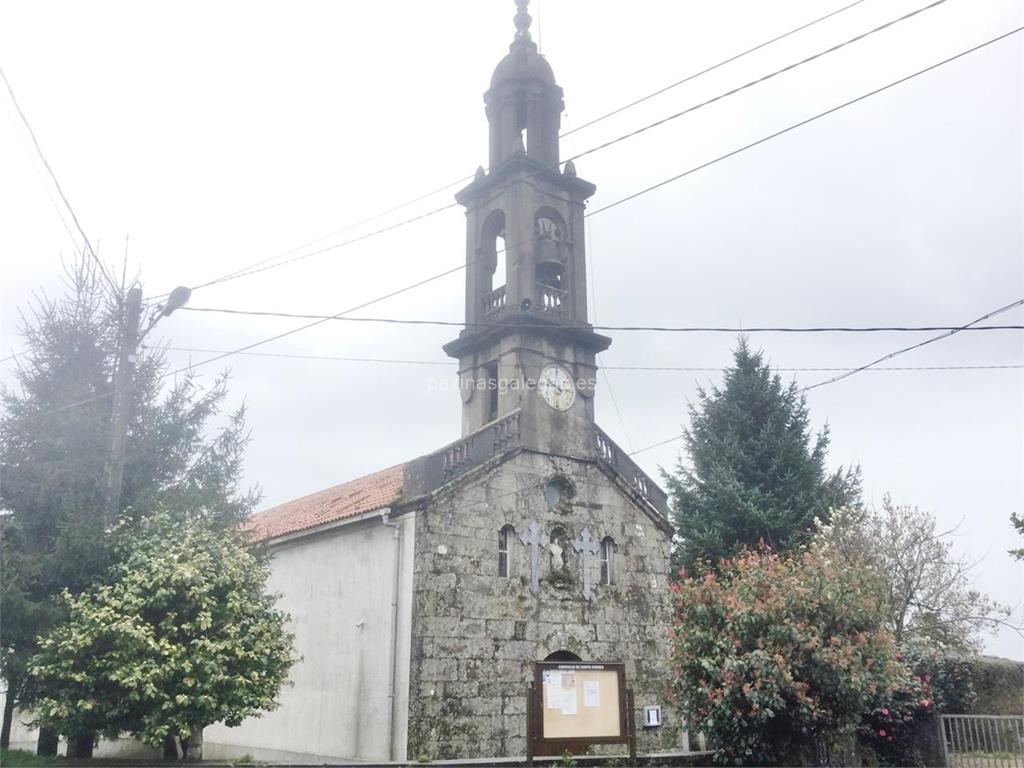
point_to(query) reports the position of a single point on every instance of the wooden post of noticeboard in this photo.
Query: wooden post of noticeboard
(573, 705)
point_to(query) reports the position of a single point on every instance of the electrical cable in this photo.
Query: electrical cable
(594, 121)
(56, 183)
(628, 197)
(870, 365)
(612, 142)
(687, 369)
(713, 67)
(653, 328)
(932, 340)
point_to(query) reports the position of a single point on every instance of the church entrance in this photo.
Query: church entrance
(562, 656)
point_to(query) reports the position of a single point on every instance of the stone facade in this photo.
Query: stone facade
(444, 673)
(475, 634)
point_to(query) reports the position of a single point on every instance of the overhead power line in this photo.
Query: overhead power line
(462, 180)
(604, 145)
(326, 248)
(56, 183)
(808, 120)
(756, 81)
(656, 445)
(872, 364)
(659, 368)
(653, 328)
(932, 340)
(633, 196)
(712, 68)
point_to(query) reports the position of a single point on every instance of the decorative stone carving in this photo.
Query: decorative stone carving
(586, 545)
(536, 539)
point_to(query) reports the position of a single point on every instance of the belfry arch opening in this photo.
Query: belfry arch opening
(500, 274)
(550, 258)
(494, 272)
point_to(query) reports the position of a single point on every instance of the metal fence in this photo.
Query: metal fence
(983, 741)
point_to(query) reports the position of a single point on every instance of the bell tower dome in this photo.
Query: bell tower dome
(524, 104)
(526, 282)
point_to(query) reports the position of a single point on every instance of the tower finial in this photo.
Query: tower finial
(522, 20)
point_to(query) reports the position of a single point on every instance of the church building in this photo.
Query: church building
(422, 595)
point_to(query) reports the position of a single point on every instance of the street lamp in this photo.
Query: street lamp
(123, 380)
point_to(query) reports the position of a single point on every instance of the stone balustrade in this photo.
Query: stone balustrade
(613, 456)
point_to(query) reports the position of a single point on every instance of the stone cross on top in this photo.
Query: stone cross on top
(586, 545)
(536, 539)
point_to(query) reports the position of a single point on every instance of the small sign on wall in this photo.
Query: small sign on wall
(652, 716)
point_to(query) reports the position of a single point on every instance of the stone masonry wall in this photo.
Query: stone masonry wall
(475, 635)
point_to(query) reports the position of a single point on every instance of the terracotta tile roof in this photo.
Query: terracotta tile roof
(364, 494)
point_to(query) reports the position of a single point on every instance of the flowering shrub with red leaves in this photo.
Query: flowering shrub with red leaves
(775, 656)
(901, 729)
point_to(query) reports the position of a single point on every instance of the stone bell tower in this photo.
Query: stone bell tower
(527, 345)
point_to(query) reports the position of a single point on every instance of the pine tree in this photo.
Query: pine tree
(54, 444)
(1018, 524)
(754, 472)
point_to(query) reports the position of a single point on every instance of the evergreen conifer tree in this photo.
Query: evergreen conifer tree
(54, 446)
(754, 472)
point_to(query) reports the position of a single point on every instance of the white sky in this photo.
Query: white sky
(215, 135)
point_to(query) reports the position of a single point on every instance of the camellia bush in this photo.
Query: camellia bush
(901, 729)
(778, 657)
(180, 634)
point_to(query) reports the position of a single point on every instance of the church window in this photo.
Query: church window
(558, 491)
(505, 538)
(492, 392)
(608, 560)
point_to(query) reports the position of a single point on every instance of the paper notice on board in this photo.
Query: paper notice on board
(569, 702)
(552, 689)
(568, 693)
(591, 693)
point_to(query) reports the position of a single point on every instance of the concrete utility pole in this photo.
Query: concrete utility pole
(124, 378)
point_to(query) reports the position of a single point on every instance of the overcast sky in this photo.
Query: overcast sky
(216, 135)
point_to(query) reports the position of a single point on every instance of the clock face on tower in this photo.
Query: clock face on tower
(556, 386)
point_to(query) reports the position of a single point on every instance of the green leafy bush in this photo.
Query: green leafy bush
(180, 634)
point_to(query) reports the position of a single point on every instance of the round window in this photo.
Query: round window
(558, 491)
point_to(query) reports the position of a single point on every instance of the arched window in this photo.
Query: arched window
(607, 560)
(492, 251)
(505, 538)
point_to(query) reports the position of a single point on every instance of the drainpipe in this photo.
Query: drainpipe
(396, 560)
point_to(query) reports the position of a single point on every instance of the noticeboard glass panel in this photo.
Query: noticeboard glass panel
(580, 703)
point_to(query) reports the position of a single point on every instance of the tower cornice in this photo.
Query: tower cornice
(534, 322)
(523, 168)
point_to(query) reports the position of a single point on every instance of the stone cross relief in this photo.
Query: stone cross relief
(536, 539)
(586, 545)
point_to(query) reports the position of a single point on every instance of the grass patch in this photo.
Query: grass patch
(21, 757)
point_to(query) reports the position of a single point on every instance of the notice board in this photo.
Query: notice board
(575, 704)
(580, 703)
